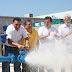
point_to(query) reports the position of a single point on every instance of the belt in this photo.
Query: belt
(9, 47)
(14, 50)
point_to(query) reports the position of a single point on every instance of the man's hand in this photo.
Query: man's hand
(70, 32)
(21, 47)
(49, 32)
(26, 47)
(55, 32)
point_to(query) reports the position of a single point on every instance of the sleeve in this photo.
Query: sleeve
(22, 41)
(40, 31)
(53, 29)
(24, 33)
(37, 35)
(9, 33)
(38, 38)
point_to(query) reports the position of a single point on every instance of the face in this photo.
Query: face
(67, 21)
(47, 23)
(29, 25)
(17, 24)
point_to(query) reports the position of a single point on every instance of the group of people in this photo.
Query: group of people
(19, 36)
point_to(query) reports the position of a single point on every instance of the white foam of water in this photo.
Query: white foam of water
(52, 54)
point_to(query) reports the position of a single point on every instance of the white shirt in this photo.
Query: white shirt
(44, 31)
(63, 29)
(15, 35)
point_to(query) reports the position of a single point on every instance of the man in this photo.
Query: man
(65, 29)
(32, 35)
(33, 41)
(47, 32)
(14, 33)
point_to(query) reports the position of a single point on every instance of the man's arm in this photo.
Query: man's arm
(55, 34)
(27, 42)
(15, 44)
(68, 34)
(44, 36)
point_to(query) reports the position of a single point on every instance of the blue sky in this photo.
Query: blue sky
(36, 7)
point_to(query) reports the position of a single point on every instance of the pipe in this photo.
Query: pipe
(22, 55)
(12, 58)
(3, 39)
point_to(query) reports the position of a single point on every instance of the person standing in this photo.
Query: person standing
(14, 33)
(33, 43)
(47, 34)
(63, 32)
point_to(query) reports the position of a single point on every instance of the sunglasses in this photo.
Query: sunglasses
(29, 24)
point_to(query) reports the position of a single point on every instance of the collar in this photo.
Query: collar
(20, 27)
(66, 26)
(29, 32)
(14, 28)
(48, 28)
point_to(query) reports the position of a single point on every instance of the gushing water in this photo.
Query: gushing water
(57, 53)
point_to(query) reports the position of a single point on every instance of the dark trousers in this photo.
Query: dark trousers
(6, 65)
(27, 68)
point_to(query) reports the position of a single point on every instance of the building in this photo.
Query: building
(57, 15)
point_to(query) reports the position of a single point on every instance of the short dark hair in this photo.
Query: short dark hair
(25, 23)
(17, 19)
(48, 17)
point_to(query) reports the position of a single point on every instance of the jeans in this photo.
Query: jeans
(28, 68)
(25, 67)
(6, 65)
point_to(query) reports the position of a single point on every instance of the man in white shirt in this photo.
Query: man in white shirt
(14, 33)
(65, 29)
(47, 32)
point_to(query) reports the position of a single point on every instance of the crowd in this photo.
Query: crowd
(19, 36)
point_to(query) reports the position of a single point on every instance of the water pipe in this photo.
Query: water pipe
(12, 58)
